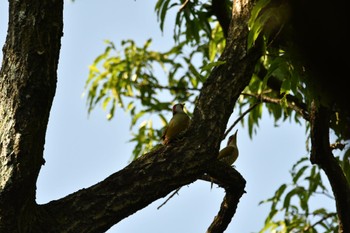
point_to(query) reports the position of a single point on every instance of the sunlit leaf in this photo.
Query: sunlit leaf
(210, 65)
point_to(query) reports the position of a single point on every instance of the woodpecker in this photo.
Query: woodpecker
(178, 123)
(230, 153)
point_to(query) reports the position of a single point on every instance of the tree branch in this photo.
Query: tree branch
(172, 88)
(158, 173)
(240, 118)
(321, 221)
(227, 210)
(234, 185)
(321, 154)
(171, 196)
(300, 109)
(153, 175)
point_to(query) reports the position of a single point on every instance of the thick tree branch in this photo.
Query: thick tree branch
(158, 175)
(227, 210)
(234, 185)
(321, 154)
(145, 180)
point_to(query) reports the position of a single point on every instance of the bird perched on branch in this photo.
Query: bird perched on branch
(178, 123)
(229, 154)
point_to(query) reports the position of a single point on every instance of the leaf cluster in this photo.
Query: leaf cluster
(283, 69)
(144, 82)
(291, 205)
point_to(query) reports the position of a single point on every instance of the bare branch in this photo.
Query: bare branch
(337, 145)
(240, 118)
(175, 88)
(309, 227)
(300, 109)
(183, 5)
(171, 196)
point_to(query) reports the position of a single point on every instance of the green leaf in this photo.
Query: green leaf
(210, 65)
(299, 174)
(289, 195)
(286, 86)
(136, 117)
(256, 10)
(105, 102)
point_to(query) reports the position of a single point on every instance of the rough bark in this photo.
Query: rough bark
(27, 87)
(28, 82)
(321, 154)
(233, 194)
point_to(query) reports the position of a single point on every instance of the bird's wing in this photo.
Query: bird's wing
(227, 151)
(167, 127)
(228, 155)
(164, 132)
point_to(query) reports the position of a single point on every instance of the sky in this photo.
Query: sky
(82, 149)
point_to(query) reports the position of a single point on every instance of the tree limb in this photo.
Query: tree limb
(321, 154)
(234, 185)
(240, 118)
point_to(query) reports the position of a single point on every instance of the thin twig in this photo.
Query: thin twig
(292, 104)
(337, 145)
(240, 118)
(171, 196)
(307, 228)
(183, 5)
(175, 88)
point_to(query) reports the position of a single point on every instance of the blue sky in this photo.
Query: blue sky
(81, 150)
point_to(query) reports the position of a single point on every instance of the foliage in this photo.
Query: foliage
(127, 79)
(292, 209)
(145, 83)
(282, 70)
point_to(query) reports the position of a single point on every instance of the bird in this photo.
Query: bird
(229, 154)
(178, 124)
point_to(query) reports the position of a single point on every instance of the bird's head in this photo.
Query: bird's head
(177, 108)
(232, 139)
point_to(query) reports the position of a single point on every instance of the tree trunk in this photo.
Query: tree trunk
(27, 87)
